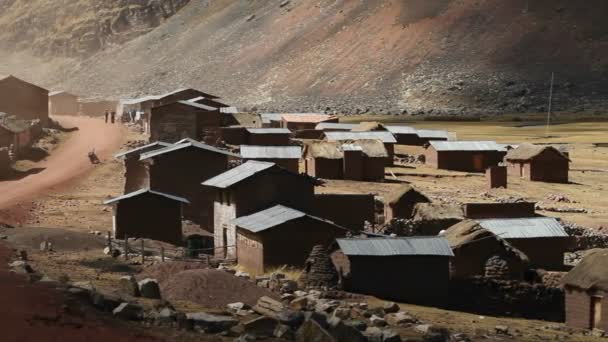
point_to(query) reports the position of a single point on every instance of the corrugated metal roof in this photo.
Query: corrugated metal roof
(144, 191)
(430, 246)
(401, 129)
(198, 105)
(271, 152)
(268, 131)
(333, 125)
(524, 228)
(385, 137)
(431, 133)
(158, 144)
(179, 146)
(238, 174)
(466, 146)
(268, 218)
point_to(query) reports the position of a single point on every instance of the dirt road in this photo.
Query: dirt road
(68, 162)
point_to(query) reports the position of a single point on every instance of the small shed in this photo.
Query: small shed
(174, 121)
(324, 159)
(136, 172)
(281, 236)
(542, 239)
(148, 214)
(24, 100)
(268, 136)
(479, 252)
(296, 122)
(412, 270)
(251, 187)
(287, 157)
(63, 103)
(180, 168)
(386, 137)
(586, 292)
(466, 156)
(405, 135)
(401, 203)
(538, 163)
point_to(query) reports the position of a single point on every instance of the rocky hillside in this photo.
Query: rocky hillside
(78, 27)
(380, 56)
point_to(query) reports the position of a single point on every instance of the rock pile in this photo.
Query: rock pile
(319, 271)
(585, 238)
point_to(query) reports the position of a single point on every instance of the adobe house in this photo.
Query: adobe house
(425, 136)
(251, 187)
(148, 214)
(96, 108)
(287, 157)
(466, 156)
(324, 159)
(386, 137)
(542, 239)
(586, 289)
(178, 120)
(499, 210)
(16, 133)
(136, 172)
(401, 202)
(280, 236)
(63, 103)
(364, 160)
(347, 210)
(411, 270)
(296, 122)
(538, 163)
(268, 136)
(181, 168)
(334, 127)
(479, 252)
(405, 135)
(24, 100)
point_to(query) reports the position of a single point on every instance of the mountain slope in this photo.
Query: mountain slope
(455, 56)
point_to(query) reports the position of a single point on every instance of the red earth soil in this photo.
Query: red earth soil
(64, 166)
(35, 312)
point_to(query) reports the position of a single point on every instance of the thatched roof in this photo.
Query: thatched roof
(526, 152)
(398, 194)
(371, 148)
(469, 231)
(437, 211)
(369, 126)
(591, 273)
(323, 149)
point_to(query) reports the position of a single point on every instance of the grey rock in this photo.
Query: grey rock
(342, 313)
(129, 286)
(311, 331)
(390, 336)
(289, 286)
(377, 321)
(423, 328)
(318, 317)
(237, 306)
(246, 338)
(284, 332)
(261, 326)
(390, 307)
(373, 334)
(399, 319)
(299, 293)
(287, 297)
(86, 285)
(21, 267)
(502, 330)
(344, 332)
(148, 288)
(129, 311)
(357, 324)
(300, 303)
(211, 323)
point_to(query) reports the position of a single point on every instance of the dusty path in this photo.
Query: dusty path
(68, 162)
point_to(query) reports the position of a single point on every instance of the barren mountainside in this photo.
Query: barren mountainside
(415, 56)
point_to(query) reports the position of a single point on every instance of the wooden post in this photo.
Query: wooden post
(126, 247)
(162, 253)
(143, 257)
(110, 242)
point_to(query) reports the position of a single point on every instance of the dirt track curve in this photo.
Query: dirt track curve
(68, 162)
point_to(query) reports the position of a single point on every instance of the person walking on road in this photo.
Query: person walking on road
(113, 117)
(107, 113)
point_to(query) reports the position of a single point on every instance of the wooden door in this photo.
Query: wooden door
(478, 162)
(596, 311)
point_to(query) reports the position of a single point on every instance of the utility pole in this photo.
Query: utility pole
(550, 105)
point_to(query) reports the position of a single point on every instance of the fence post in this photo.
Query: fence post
(110, 243)
(126, 247)
(143, 257)
(162, 254)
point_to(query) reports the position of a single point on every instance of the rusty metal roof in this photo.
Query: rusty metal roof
(271, 152)
(524, 228)
(385, 137)
(467, 146)
(238, 174)
(145, 191)
(273, 217)
(427, 246)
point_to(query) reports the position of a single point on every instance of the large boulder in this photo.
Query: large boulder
(148, 288)
(211, 323)
(129, 311)
(274, 309)
(128, 285)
